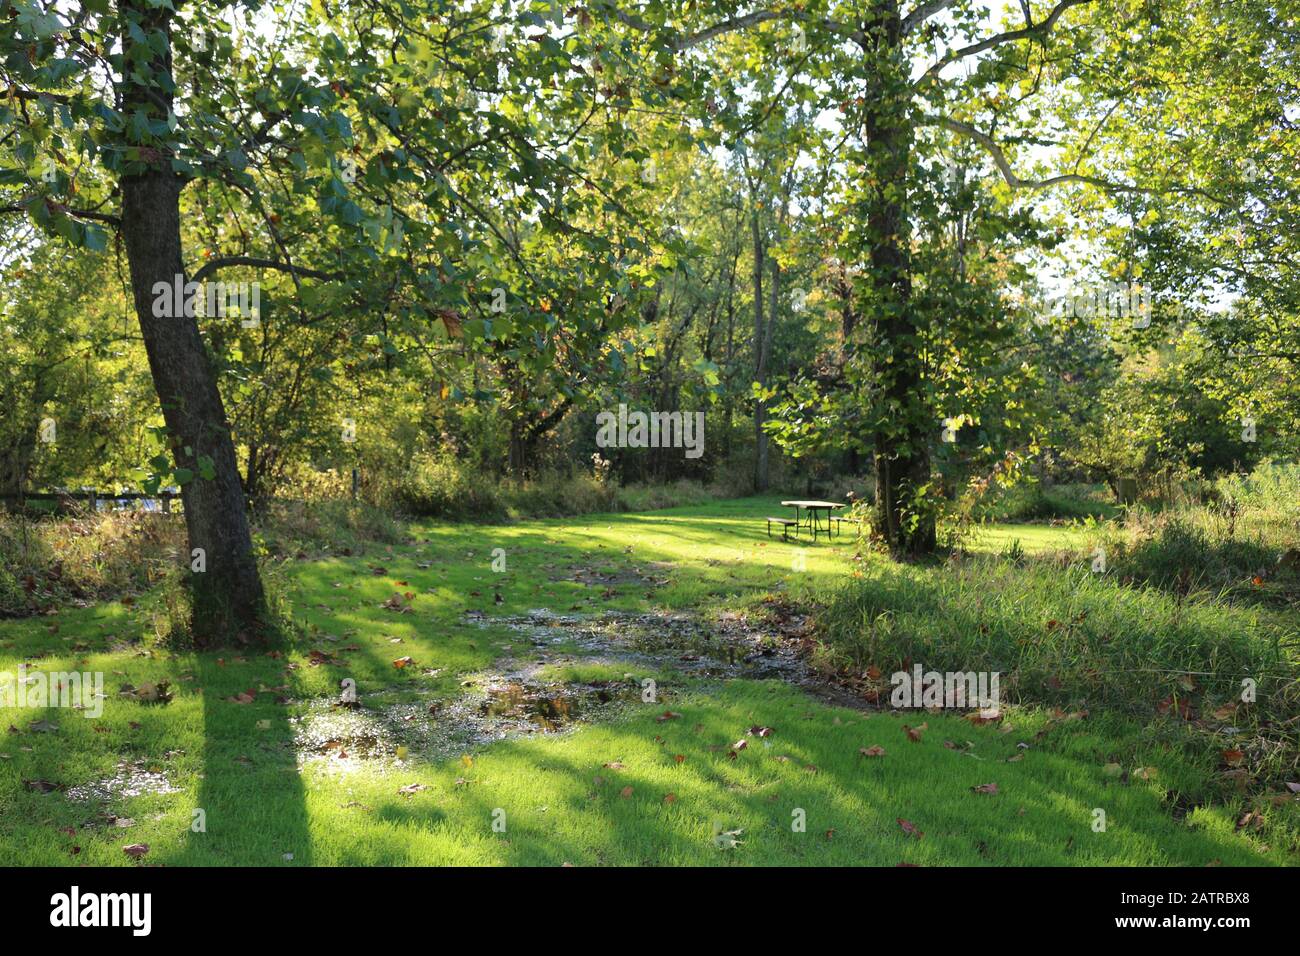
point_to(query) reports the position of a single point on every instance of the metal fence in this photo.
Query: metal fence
(115, 501)
(96, 500)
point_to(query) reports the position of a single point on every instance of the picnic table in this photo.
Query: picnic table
(806, 515)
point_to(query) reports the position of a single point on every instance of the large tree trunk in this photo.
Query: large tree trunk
(760, 353)
(526, 437)
(902, 438)
(16, 462)
(253, 471)
(227, 595)
(16, 457)
(728, 402)
(520, 448)
(773, 307)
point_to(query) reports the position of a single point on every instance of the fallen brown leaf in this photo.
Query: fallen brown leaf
(910, 828)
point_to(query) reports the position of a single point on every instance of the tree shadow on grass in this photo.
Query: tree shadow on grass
(558, 803)
(1057, 636)
(251, 793)
(1183, 561)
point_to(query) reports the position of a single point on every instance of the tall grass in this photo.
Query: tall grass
(57, 561)
(1033, 501)
(441, 487)
(289, 528)
(1189, 629)
(1236, 539)
(1272, 488)
(1060, 636)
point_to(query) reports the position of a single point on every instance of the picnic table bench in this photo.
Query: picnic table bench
(784, 524)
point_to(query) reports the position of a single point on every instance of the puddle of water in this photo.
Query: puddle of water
(515, 699)
(654, 574)
(132, 779)
(495, 707)
(679, 641)
(551, 706)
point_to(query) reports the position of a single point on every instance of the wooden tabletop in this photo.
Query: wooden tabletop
(813, 504)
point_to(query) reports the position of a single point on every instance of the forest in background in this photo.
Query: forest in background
(911, 254)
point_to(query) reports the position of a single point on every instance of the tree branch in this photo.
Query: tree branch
(74, 213)
(922, 12)
(548, 421)
(105, 217)
(212, 265)
(36, 96)
(1042, 28)
(1004, 166)
(682, 42)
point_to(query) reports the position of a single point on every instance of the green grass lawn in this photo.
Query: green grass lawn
(1032, 538)
(659, 782)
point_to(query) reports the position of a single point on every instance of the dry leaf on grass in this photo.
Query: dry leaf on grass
(910, 828)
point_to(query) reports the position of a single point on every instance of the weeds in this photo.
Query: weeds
(1179, 631)
(89, 557)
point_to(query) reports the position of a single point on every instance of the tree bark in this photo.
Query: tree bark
(527, 434)
(728, 399)
(760, 349)
(227, 598)
(16, 461)
(518, 460)
(902, 438)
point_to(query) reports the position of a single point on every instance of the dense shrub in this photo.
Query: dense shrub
(447, 488)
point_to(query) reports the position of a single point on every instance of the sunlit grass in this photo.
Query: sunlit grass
(559, 802)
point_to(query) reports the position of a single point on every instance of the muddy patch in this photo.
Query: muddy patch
(495, 707)
(682, 642)
(653, 574)
(521, 696)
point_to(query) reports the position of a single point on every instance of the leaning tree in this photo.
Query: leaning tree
(388, 147)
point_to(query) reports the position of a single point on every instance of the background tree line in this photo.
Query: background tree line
(474, 226)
